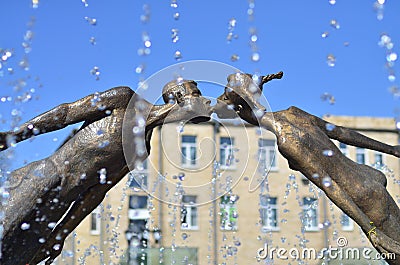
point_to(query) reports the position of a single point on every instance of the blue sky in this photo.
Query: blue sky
(289, 39)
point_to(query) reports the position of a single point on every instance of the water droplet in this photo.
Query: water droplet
(102, 175)
(334, 24)
(328, 97)
(325, 34)
(315, 175)
(234, 57)
(84, 2)
(184, 236)
(331, 60)
(174, 35)
(35, 3)
(139, 69)
(176, 15)
(147, 43)
(57, 247)
(42, 240)
(255, 57)
(174, 4)
(391, 57)
(92, 40)
(24, 64)
(330, 126)
(145, 17)
(181, 176)
(326, 181)
(51, 225)
(178, 55)
(332, 2)
(91, 21)
(180, 128)
(327, 152)
(385, 41)
(391, 77)
(232, 23)
(25, 226)
(96, 72)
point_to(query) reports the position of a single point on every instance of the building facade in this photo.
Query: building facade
(222, 194)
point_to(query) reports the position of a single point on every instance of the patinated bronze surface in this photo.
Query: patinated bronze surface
(42, 192)
(359, 190)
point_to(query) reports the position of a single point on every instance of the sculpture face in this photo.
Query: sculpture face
(190, 104)
(229, 102)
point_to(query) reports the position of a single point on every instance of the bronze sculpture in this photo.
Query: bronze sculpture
(39, 197)
(359, 190)
(301, 139)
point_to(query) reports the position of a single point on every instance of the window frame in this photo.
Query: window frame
(226, 205)
(95, 218)
(267, 149)
(190, 209)
(382, 157)
(268, 209)
(365, 153)
(188, 146)
(227, 151)
(344, 150)
(142, 174)
(307, 207)
(349, 226)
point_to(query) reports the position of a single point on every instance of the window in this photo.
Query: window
(138, 177)
(266, 154)
(269, 212)
(346, 222)
(343, 148)
(188, 150)
(226, 158)
(378, 158)
(310, 214)
(228, 212)
(95, 221)
(138, 207)
(189, 212)
(361, 155)
(137, 202)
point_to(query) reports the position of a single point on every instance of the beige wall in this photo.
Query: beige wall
(249, 236)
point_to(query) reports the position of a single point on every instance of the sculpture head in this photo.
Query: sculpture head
(189, 104)
(241, 92)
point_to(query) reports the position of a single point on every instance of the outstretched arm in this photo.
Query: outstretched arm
(352, 137)
(91, 107)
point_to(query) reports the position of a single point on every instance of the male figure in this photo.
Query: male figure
(79, 174)
(359, 190)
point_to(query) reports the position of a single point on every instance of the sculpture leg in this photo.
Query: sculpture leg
(33, 189)
(82, 207)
